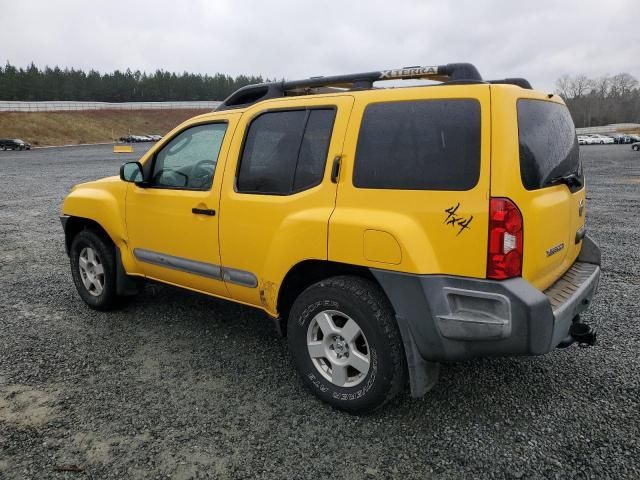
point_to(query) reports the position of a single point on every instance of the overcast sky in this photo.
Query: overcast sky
(298, 38)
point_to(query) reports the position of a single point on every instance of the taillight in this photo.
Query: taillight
(504, 258)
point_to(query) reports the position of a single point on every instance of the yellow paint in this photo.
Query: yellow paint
(269, 234)
(550, 214)
(389, 229)
(415, 218)
(122, 149)
(381, 247)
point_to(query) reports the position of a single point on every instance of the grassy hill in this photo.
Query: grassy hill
(94, 126)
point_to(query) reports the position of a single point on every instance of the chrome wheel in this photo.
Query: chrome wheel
(91, 271)
(338, 348)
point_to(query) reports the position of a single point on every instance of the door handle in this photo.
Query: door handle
(203, 211)
(335, 169)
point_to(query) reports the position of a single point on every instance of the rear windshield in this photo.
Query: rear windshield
(419, 145)
(548, 144)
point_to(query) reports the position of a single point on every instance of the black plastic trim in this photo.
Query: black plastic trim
(250, 94)
(125, 285)
(423, 309)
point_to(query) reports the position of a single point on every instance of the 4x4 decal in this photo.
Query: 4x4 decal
(457, 220)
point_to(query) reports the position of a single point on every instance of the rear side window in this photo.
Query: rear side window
(548, 143)
(419, 145)
(285, 152)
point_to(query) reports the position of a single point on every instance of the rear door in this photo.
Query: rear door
(535, 145)
(278, 196)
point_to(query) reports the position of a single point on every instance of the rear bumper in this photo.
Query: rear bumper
(446, 318)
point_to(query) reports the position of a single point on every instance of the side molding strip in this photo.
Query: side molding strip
(240, 277)
(179, 263)
(231, 275)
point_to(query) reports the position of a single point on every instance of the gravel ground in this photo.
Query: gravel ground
(177, 385)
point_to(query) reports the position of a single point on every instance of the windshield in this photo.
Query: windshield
(548, 144)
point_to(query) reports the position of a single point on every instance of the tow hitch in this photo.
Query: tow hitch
(580, 333)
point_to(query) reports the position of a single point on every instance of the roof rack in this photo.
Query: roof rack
(450, 73)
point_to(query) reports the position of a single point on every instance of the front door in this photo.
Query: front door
(172, 223)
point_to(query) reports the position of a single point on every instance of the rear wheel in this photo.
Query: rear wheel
(346, 345)
(93, 269)
(636, 147)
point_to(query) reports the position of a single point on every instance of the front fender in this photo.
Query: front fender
(102, 201)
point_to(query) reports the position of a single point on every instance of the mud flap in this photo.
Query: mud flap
(125, 285)
(423, 375)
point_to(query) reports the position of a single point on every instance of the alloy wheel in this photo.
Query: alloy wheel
(338, 348)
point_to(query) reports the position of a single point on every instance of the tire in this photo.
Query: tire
(96, 280)
(636, 147)
(361, 326)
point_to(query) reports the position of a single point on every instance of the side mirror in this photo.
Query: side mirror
(131, 172)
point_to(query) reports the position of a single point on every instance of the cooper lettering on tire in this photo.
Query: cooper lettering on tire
(345, 343)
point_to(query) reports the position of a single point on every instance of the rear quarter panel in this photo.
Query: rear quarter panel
(407, 230)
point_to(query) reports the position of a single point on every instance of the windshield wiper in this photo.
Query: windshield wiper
(570, 180)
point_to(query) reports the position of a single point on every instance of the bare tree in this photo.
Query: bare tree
(607, 99)
(622, 84)
(563, 86)
(602, 85)
(580, 86)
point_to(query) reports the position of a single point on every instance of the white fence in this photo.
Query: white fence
(7, 106)
(613, 128)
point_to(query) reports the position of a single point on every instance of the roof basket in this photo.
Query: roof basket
(450, 73)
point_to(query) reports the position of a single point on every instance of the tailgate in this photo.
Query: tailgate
(542, 174)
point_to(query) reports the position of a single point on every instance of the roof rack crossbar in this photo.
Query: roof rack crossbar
(520, 82)
(454, 72)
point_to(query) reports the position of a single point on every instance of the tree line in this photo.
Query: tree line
(601, 101)
(33, 84)
(591, 101)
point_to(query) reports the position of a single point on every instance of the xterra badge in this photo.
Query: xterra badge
(555, 249)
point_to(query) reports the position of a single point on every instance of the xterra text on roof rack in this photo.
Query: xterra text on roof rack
(384, 230)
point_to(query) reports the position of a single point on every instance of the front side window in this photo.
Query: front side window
(419, 145)
(285, 151)
(189, 160)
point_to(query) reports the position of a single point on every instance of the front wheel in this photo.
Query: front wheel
(93, 270)
(346, 345)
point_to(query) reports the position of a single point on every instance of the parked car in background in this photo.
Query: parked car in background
(140, 138)
(634, 137)
(582, 140)
(155, 137)
(14, 144)
(601, 139)
(621, 138)
(587, 140)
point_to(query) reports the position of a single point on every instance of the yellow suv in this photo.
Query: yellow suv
(384, 230)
